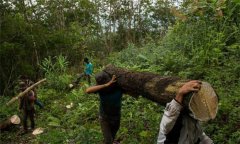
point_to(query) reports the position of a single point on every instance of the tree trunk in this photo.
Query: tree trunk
(163, 89)
(14, 120)
(151, 86)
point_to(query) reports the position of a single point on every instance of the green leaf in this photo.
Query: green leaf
(144, 133)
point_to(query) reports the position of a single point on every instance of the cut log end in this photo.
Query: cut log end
(14, 120)
(204, 104)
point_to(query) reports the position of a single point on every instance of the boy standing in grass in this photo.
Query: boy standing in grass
(110, 105)
(27, 105)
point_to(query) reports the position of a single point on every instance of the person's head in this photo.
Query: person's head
(86, 60)
(22, 86)
(103, 78)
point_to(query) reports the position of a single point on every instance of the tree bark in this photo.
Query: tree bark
(162, 90)
(151, 86)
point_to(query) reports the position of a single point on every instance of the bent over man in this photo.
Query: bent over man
(177, 125)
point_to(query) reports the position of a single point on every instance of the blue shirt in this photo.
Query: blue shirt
(89, 69)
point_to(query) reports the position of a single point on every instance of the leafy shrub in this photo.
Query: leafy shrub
(55, 72)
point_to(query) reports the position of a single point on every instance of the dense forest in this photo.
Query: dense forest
(190, 39)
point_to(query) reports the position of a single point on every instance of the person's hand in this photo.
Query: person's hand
(113, 80)
(191, 86)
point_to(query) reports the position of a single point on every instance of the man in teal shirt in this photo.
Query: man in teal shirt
(87, 72)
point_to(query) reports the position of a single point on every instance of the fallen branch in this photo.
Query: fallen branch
(25, 91)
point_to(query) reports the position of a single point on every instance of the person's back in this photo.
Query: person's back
(110, 105)
(89, 68)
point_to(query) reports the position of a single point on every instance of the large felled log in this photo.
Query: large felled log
(14, 120)
(152, 86)
(26, 91)
(163, 89)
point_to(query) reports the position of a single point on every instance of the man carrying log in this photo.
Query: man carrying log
(180, 124)
(110, 105)
(177, 124)
(27, 107)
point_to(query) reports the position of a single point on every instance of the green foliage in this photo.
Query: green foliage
(7, 111)
(55, 69)
(55, 136)
(203, 46)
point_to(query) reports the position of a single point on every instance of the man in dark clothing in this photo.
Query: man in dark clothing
(27, 105)
(110, 105)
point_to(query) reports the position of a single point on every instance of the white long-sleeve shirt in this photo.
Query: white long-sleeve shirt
(190, 133)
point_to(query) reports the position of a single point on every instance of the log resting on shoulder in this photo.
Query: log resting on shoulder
(163, 89)
(151, 86)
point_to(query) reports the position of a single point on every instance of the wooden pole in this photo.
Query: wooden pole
(25, 91)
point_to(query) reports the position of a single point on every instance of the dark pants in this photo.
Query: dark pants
(83, 75)
(109, 126)
(30, 114)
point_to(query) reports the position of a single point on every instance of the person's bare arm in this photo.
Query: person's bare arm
(96, 88)
(191, 86)
(174, 108)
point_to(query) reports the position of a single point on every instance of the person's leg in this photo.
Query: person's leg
(31, 115)
(106, 130)
(89, 79)
(79, 78)
(25, 116)
(114, 124)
